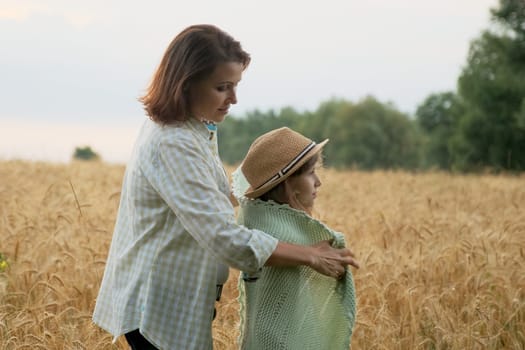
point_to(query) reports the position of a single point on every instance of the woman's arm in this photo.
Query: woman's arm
(321, 257)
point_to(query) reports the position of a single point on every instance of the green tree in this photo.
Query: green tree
(371, 135)
(437, 118)
(85, 153)
(492, 85)
(368, 134)
(317, 125)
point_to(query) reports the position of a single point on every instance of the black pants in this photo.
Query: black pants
(138, 342)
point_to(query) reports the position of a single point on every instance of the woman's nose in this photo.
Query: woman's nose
(233, 97)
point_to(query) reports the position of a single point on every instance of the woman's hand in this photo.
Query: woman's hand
(321, 257)
(331, 261)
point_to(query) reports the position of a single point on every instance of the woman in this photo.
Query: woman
(292, 307)
(175, 227)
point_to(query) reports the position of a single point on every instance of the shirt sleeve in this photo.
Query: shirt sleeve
(184, 178)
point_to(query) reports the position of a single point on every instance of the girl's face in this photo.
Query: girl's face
(304, 188)
(210, 98)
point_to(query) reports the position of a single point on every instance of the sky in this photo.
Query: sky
(71, 71)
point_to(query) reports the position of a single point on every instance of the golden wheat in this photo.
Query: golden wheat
(442, 256)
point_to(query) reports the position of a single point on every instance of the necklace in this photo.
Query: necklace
(211, 126)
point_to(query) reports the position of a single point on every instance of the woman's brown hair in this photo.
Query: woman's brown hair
(192, 55)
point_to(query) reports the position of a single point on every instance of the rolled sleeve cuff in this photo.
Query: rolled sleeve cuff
(263, 246)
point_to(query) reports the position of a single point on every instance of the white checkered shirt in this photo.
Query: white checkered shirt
(175, 224)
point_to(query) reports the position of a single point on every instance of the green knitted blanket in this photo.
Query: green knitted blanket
(292, 307)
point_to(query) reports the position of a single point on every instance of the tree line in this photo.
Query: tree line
(478, 127)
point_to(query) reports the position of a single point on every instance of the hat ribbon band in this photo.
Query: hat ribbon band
(287, 168)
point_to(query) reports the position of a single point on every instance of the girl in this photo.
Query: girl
(289, 307)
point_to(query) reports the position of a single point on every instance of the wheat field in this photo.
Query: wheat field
(442, 256)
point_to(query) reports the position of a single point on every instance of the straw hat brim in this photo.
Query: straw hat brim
(254, 193)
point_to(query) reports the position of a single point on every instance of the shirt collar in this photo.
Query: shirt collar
(202, 129)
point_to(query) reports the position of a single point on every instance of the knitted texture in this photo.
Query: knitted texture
(293, 307)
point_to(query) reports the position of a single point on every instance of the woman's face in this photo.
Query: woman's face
(304, 188)
(210, 98)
